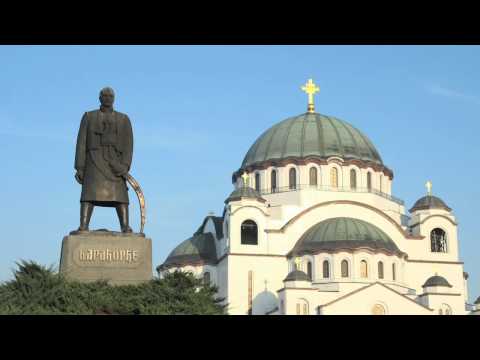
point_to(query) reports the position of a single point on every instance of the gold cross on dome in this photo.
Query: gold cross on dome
(298, 261)
(310, 88)
(428, 185)
(245, 179)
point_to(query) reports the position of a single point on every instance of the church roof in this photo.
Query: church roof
(244, 192)
(311, 135)
(297, 275)
(199, 249)
(342, 233)
(429, 202)
(436, 280)
(217, 222)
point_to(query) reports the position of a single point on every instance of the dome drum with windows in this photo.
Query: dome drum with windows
(311, 137)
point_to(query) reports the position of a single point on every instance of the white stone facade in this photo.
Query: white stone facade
(251, 276)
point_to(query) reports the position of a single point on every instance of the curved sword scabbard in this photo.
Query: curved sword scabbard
(141, 199)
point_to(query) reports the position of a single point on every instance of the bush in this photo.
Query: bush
(36, 289)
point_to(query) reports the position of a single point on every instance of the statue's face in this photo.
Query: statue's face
(107, 98)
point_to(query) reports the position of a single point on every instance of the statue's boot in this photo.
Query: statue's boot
(122, 212)
(86, 209)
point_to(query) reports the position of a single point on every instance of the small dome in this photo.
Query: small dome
(297, 275)
(199, 249)
(436, 281)
(429, 202)
(311, 135)
(344, 233)
(244, 192)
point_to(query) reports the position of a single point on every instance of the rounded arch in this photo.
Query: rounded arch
(445, 309)
(251, 207)
(326, 269)
(295, 218)
(369, 181)
(302, 306)
(438, 240)
(249, 232)
(379, 308)
(364, 268)
(353, 178)
(273, 175)
(334, 176)
(258, 180)
(293, 175)
(313, 175)
(380, 270)
(345, 269)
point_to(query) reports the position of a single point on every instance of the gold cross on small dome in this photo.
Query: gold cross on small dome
(428, 185)
(298, 261)
(245, 179)
(310, 88)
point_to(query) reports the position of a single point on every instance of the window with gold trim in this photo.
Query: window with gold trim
(378, 309)
(334, 177)
(363, 269)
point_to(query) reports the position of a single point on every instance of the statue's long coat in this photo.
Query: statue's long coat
(96, 149)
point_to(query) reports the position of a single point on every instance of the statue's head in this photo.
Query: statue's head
(107, 96)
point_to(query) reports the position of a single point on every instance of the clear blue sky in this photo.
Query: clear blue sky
(195, 112)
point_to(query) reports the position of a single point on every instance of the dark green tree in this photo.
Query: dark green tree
(36, 289)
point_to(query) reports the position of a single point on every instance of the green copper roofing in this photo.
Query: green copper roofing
(312, 134)
(297, 275)
(200, 248)
(437, 280)
(244, 192)
(429, 202)
(343, 233)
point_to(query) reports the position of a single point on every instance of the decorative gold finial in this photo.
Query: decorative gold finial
(428, 185)
(245, 179)
(310, 88)
(298, 261)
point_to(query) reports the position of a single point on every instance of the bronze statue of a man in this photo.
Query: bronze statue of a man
(102, 160)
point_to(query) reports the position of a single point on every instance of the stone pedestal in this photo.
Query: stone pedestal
(106, 255)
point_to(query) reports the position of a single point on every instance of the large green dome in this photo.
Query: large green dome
(311, 135)
(343, 233)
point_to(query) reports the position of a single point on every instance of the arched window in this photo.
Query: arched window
(353, 179)
(445, 310)
(309, 269)
(334, 177)
(273, 181)
(369, 181)
(438, 239)
(206, 278)
(380, 270)
(292, 178)
(344, 268)
(302, 307)
(326, 269)
(257, 181)
(381, 181)
(313, 176)
(363, 269)
(394, 275)
(249, 234)
(378, 309)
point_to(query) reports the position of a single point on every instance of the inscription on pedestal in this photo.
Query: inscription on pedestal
(117, 258)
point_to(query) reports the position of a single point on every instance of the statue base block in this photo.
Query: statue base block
(119, 258)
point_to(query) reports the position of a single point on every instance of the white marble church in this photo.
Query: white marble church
(312, 228)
